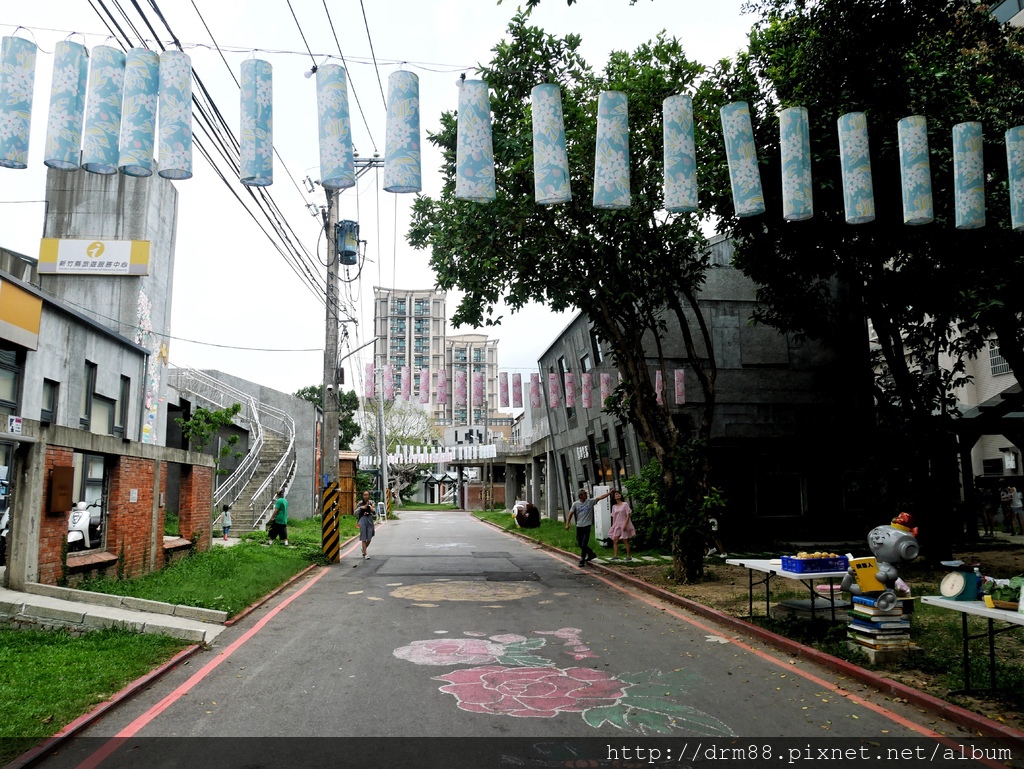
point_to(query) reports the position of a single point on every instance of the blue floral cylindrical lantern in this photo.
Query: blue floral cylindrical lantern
(550, 161)
(474, 157)
(855, 163)
(402, 142)
(795, 143)
(680, 185)
(17, 79)
(67, 106)
(103, 111)
(611, 158)
(256, 138)
(138, 112)
(915, 170)
(741, 152)
(969, 176)
(175, 115)
(1015, 166)
(337, 161)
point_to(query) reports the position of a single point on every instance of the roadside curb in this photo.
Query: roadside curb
(53, 742)
(948, 710)
(259, 602)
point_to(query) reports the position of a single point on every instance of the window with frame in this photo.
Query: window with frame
(996, 361)
(121, 408)
(10, 381)
(48, 407)
(570, 412)
(585, 364)
(88, 395)
(595, 346)
(101, 421)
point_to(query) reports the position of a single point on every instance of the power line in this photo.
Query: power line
(426, 66)
(369, 39)
(301, 33)
(355, 95)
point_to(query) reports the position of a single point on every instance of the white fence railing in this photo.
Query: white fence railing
(259, 416)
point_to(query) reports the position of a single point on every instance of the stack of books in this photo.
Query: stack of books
(879, 629)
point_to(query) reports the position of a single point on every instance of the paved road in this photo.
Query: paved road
(455, 629)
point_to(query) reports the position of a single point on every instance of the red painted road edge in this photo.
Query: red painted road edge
(975, 721)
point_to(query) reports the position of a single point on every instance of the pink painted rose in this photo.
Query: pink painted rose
(451, 651)
(531, 692)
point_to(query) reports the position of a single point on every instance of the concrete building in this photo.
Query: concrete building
(409, 330)
(786, 447)
(73, 410)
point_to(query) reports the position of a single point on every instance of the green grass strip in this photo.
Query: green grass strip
(48, 679)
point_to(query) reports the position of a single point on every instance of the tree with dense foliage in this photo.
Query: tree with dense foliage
(634, 273)
(931, 294)
(204, 425)
(348, 405)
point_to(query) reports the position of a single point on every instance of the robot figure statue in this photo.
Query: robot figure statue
(890, 545)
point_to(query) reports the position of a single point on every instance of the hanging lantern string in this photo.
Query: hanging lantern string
(31, 35)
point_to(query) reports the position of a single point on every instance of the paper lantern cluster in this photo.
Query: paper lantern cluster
(103, 109)
(578, 390)
(110, 120)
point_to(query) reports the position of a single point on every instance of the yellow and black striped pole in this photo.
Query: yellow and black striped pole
(329, 510)
(388, 505)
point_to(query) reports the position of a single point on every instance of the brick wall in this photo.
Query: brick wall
(130, 524)
(53, 528)
(195, 503)
(474, 495)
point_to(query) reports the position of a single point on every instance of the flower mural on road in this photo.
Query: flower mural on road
(538, 692)
(508, 678)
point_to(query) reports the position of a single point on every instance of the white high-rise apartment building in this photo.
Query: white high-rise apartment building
(473, 353)
(409, 329)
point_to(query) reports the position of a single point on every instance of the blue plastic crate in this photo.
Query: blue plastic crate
(813, 565)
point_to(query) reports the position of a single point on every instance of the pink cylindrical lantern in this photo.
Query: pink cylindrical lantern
(588, 386)
(442, 386)
(460, 388)
(535, 391)
(478, 390)
(424, 385)
(658, 386)
(406, 383)
(503, 389)
(369, 380)
(570, 390)
(606, 387)
(554, 394)
(517, 391)
(388, 382)
(680, 388)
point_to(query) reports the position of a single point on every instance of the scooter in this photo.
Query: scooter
(85, 526)
(5, 527)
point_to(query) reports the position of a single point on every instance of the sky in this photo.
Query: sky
(237, 305)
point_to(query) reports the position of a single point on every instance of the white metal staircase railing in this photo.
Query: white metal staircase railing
(258, 415)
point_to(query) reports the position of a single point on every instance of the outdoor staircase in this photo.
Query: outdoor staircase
(244, 515)
(270, 462)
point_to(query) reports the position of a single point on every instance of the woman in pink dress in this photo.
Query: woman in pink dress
(622, 525)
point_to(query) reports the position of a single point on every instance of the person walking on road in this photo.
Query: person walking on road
(622, 524)
(364, 513)
(278, 528)
(583, 510)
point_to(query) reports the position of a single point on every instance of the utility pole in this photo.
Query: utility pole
(381, 442)
(329, 508)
